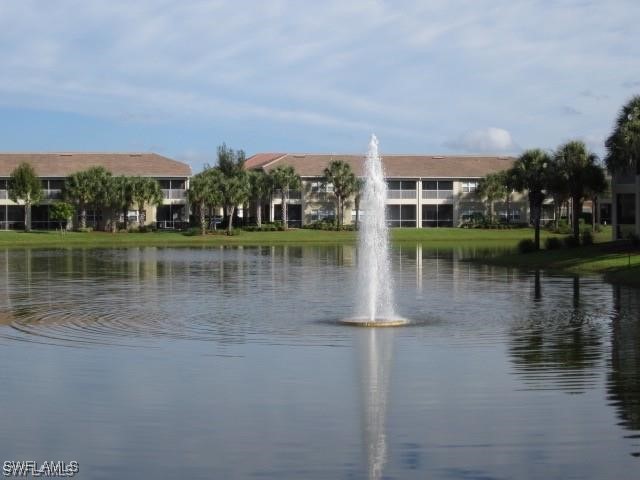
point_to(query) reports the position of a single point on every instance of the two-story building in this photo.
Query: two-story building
(53, 168)
(625, 210)
(423, 190)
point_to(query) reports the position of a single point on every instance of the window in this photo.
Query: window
(469, 186)
(56, 184)
(626, 208)
(514, 214)
(401, 216)
(437, 215)
(321, 214)
(471, 212)
(437, 190)
(398, 189)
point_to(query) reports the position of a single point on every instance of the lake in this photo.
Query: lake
(230, 363)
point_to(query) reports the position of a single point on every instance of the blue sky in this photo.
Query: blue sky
(181, 77)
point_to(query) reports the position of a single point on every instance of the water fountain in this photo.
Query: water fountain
(375, 285)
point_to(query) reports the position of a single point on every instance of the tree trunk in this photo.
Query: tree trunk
(125, 213)
(259, 215)
(594, 210)
(536, 225)
(357, 206)
(285, 220)
(140, 210)
(114, 222)
(491, 211)
(230, 222)
(577, 206)
(203, 219)
(508, 208)
(83, 216)
(338, 212)
(27, 216)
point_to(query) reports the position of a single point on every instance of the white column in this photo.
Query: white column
(419, 204)
(614, 212)
(637, 199)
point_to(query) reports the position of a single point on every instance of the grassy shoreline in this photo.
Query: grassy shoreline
(441, 237)
(617, 262)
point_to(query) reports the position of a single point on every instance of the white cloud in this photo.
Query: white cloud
(396, 68)
(484, 140)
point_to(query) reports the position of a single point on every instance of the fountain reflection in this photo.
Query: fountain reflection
(375, 350)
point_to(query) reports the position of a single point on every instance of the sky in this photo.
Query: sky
(181, 77)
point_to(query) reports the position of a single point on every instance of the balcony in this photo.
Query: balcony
(437, 195)
(52, 194)
(174, 193)
(401, 195)
(293, 194)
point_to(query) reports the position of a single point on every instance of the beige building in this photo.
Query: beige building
(53, 168)
(625, 210)
(424, 190)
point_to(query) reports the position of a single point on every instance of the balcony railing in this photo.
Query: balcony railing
(437, 194)
(52, 194)
(4, 194)
(401, 194)
(320, 196)
(293, 194)
(174, 193)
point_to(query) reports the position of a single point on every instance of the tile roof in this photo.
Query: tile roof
(63, 164)
(396, 166)
(260, 159)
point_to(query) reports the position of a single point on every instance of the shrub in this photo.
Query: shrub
(571, 242)
(526, 246)
(147, 228)
(634, 239)
(563, 226)
(586, 237)
(85, 230)
(552, 243)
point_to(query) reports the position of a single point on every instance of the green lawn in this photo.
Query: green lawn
(617, 262)
(440, 237)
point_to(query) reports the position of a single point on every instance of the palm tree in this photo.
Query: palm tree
(205, 193)
(234, 191)
(529, 173)
(235, 187)
(358, 188)
(558, 189)
(339, 174)
(285, 178)
(492, 187)
(583, 176)
(509, 183)
(115, 199)
(25, 185)
(260, 189)
(146, 191)
(100, 179)
(623, 145)
(85, 188)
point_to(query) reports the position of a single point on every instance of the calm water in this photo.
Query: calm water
(228, 363)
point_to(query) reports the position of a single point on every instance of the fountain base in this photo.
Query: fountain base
(378, 322)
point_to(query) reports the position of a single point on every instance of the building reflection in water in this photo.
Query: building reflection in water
(375, 358)
(623, 381)
(558, 346)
